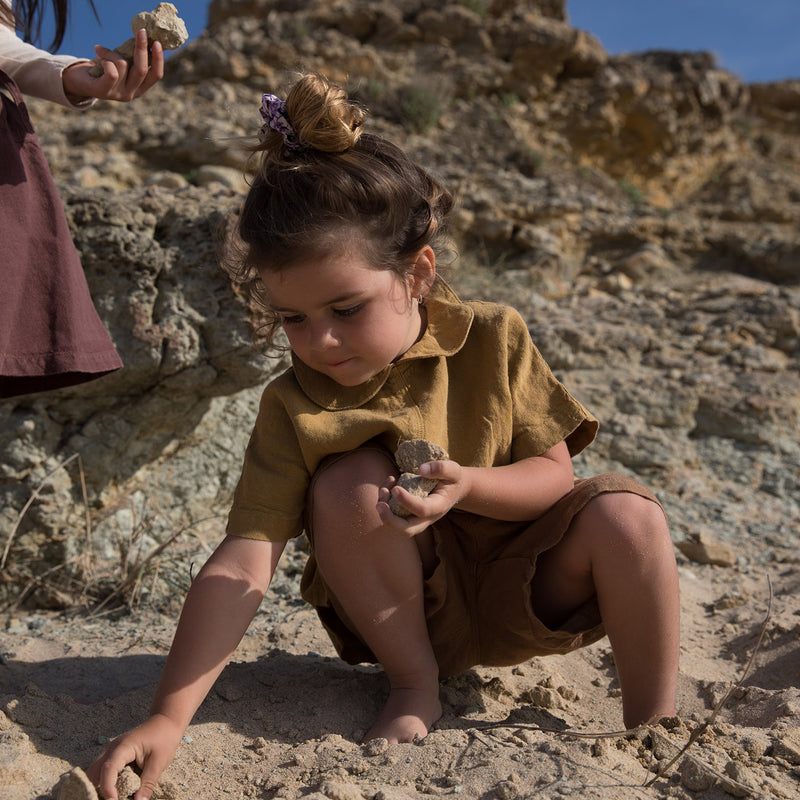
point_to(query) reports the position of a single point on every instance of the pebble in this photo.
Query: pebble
(74, 785)
(744, 781)
(695, 776)
(128, 783)
(787, 747)
(376, 747)
(701, 549)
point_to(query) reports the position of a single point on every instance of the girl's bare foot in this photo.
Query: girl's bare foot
(408, 713)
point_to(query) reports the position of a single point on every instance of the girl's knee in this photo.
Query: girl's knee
(352, 480)
(627, 507)
(627, 517)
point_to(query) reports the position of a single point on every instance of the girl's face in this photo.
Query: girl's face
(346, 319)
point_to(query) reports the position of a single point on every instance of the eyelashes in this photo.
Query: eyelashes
(296, 319)
(349, 311)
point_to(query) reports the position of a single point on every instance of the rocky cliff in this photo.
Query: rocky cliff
(641, 211)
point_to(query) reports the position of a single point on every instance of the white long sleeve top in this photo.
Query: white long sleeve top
(36, 72)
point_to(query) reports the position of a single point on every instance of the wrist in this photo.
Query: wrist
(177, 722)
(70, 88)
(77, 100)
(466, 486)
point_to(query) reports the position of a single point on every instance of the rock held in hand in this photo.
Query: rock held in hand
(409, 456)
(162, 25)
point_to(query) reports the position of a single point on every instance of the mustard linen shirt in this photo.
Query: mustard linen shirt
(474, 384)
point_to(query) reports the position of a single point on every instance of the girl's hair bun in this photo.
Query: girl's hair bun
(322, 115)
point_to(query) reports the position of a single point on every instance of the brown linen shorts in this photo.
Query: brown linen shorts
(477, 599)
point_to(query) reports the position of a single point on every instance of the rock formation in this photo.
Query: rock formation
(641, 211)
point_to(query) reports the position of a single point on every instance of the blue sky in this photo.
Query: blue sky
(759, 40)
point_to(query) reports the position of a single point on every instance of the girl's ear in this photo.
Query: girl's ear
(423, 272)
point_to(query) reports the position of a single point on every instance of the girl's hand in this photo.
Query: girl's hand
(152, 746)
(120, 80)
(520, 491)
(453, 486)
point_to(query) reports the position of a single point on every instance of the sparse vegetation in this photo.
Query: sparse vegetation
(633, 192)
(421, 108)
(478, 6)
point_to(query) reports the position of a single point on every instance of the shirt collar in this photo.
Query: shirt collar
(448, 323)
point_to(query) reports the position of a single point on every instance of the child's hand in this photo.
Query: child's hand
(451, 489)
(119, 81)
(151, 745)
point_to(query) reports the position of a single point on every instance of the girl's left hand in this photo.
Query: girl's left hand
(120, 80)
(452, 488)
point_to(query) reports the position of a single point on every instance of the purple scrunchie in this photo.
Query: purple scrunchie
(273, 111)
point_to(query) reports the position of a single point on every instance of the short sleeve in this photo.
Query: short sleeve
(544, 412)
(270, 497)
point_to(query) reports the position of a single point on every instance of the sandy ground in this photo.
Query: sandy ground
(286, 717)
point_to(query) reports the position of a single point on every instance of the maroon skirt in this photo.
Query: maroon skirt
(50, 333)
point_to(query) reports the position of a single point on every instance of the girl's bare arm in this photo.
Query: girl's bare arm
(519, 491)
(218, 610)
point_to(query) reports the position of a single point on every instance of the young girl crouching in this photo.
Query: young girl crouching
(509, 557)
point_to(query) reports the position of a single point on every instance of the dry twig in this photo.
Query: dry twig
(134, 576)
(700, 729)
(695, 735)
(133, 573)
(36, 492)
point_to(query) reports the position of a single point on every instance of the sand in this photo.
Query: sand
(286, 718)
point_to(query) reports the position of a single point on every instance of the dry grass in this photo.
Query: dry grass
(144, 569)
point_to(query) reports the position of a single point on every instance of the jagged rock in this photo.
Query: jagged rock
(742, 784)
(376, 747)
(74, 785)
(162, 24)
(409, 456)
(704, 550)
(412, 453)
(787, 747)
(695, 775)
(415, 485)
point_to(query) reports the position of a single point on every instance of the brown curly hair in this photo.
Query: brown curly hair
(343, 185)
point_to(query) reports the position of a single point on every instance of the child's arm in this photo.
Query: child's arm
(519, 491)
(219, 607)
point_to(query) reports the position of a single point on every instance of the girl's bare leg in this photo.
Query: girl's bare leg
(619, 548)
(376, 574)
